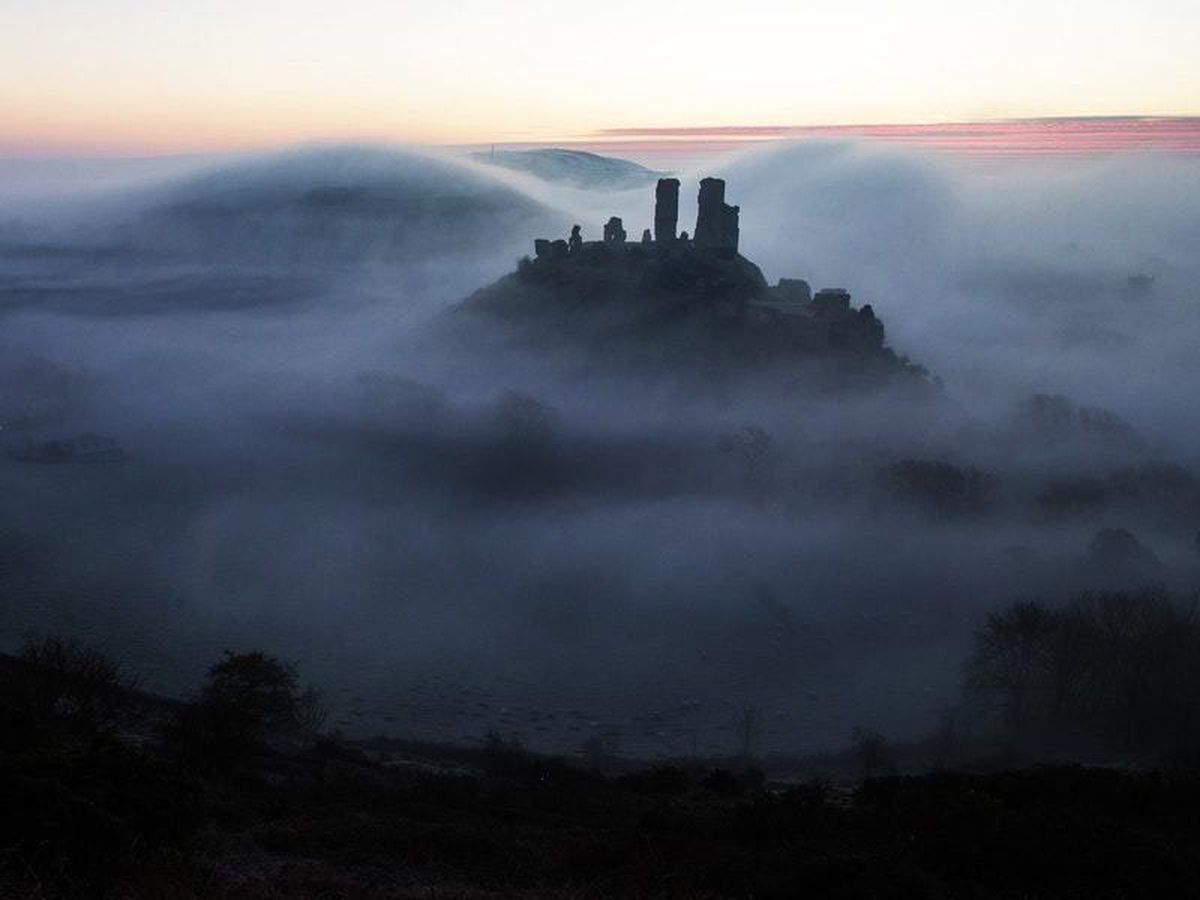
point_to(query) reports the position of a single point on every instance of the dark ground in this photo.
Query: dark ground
(132, 815)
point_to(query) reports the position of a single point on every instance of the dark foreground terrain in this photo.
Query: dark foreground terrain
(111, 793)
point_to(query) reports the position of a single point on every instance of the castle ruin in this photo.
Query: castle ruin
(704, 274)
(716, 221)
(666, 209)
(716, 224)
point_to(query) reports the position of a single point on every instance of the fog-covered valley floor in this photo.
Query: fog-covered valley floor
(454, 538)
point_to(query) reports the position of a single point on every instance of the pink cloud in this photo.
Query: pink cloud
(1021, 137)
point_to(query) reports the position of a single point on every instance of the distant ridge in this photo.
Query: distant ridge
(341, 204)
(576, 167)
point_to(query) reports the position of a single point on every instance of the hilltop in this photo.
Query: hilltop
(333, 208)
(575, 167)
(671, 299)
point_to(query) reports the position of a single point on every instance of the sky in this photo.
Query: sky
(147, 76)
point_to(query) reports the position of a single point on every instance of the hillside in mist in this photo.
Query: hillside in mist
(261, 231)
(246, 402)
(573, 167)
(343, 205)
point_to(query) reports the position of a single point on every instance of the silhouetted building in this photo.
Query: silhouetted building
(614, 231)
(666, 209)
(706, 271)
(549, 250)
(794, 290)
(716, 221)
(832, 300)
(716, 224)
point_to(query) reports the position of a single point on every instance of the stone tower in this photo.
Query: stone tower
(666, 210)
(716, 221)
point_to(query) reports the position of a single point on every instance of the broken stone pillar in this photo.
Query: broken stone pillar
(716, 221)
(666, 209)
(614, 231)
(646, 239)
(872, 328)
(576, 241)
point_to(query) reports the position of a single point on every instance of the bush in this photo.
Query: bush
(250, 700)
(1068, 497)
(1117, 554)
(1055, 417)
(59, 690)
(941, 489)
(1116, 667)
(871, 751)
(662, 779)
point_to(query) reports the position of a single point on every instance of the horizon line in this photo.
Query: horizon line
(1033, 136)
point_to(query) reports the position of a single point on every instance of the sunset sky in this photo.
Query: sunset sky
(131, 76)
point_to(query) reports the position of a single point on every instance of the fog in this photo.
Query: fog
(451, 533)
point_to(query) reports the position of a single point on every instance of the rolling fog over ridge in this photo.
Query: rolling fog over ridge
(452, 543)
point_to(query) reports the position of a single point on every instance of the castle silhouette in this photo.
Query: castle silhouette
(716, 224)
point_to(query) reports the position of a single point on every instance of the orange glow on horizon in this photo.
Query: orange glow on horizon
(129, 76)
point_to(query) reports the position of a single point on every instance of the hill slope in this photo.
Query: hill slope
(575, 167)
(668, 307)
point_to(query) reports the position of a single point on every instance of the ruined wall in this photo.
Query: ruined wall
(716, 221)
(666, 209)
(614, 231)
